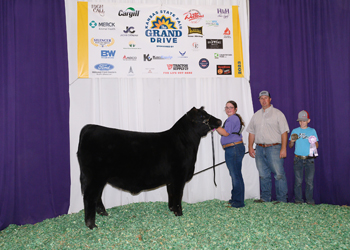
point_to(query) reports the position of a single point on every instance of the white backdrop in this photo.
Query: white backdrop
(153, 105)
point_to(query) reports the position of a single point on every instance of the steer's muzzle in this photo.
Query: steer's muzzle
(214, 122)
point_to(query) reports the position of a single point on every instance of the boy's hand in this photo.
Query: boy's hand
(294, 137)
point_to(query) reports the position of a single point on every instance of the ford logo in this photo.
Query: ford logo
(104, 66)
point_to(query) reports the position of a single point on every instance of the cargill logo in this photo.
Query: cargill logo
(130, 12)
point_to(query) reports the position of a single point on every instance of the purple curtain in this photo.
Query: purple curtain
(34, 125)
(300, 52)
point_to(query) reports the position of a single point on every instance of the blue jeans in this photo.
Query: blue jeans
(267, 161)
(299, 166)
(234, 156)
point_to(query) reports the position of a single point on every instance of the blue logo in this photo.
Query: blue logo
(104, 66)
(163, 28)
(203, 63)
(107, 54)
(129, 29)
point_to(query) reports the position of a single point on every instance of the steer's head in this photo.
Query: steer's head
(202, 121)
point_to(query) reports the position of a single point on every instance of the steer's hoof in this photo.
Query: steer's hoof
(90, 225)
(102, 212)
(178, 213)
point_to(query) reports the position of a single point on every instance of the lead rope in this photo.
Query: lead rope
(214, 166)
(212, 145)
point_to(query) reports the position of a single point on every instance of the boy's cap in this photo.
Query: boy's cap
(264, 92)
(303, 116)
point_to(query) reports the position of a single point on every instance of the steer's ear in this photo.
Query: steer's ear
(192, 113)
(202, 108)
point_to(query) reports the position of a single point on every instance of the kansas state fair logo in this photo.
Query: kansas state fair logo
(163, 28)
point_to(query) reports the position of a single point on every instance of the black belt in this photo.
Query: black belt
(303, 157)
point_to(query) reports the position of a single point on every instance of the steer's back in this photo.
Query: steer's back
(130, 160)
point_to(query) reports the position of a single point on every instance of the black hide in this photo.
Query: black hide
(136, 161)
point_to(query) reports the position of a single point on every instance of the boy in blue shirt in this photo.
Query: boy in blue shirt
(304, 157)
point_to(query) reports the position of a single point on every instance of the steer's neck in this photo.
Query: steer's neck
(186, 131)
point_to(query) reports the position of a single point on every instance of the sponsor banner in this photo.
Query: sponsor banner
(136, 40)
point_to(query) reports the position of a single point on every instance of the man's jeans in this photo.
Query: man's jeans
(267, 161)
(234, 156)
(299, 165)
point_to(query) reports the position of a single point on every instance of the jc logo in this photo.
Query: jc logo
(129, 29)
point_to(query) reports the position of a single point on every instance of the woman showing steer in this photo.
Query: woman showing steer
(232, 143)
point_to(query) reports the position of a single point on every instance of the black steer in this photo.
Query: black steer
(136, 161)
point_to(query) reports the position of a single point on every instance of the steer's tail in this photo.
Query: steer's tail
(82, 182)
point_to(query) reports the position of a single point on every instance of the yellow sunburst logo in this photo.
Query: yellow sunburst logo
(163, 23)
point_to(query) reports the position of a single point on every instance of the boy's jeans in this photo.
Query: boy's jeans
(299, 165)
(267, 161)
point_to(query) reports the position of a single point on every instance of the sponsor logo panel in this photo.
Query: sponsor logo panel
(195, 31)
(103, 69)
(132, 45)
(177, 69)
(195, 46)
(102, 42)
(223, 70)
(102, 25)
(223, 12)
(107, 54)
(182, 54)
(214, 43)
(203, 63)
(160, 29)
(227, 33)
(212, 23)
(129, 12)
(221, 56)
(129, 58)
(193, 16)
(129, 31)
(147, 57)
(163, 28)
(99, 9)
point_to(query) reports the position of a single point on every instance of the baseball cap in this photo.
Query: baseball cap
(303, 116)
(264, 92)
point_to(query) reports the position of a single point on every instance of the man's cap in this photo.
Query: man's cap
(264, 92)
(303, 116)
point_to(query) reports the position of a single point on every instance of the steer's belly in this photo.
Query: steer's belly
(138, 183)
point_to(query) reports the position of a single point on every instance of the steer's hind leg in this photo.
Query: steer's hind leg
(91, 197)
(177, 198)
(169, 188)
(100, 208)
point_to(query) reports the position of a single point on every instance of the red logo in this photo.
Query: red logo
(227, 32)
(193, 16)
(170, 66)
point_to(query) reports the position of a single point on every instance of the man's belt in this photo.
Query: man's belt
(267, 145)
(232, 144)
(303, 157)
